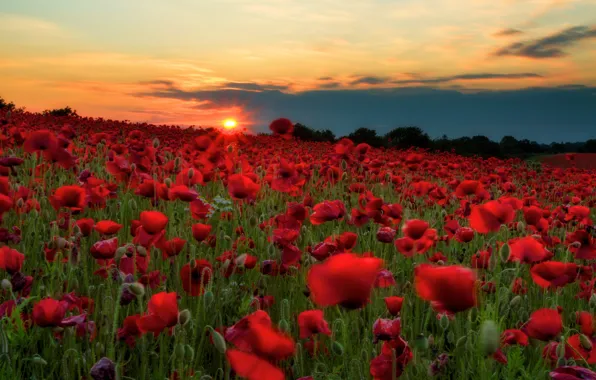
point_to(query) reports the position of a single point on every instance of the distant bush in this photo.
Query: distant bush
(66, 111)
(5, 106)
(302, 132)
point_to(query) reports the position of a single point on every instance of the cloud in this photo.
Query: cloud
(27, 24)
(159, 82)
(326, 78)
(479, 76)
(552, 46)
(330, 85)
(541, 114)
(251, 86)
(370, 80)
(508, 32)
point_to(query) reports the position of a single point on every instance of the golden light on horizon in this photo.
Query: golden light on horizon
(230, 124)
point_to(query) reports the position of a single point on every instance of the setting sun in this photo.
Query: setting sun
(230, 124)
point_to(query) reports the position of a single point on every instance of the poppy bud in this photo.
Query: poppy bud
(593, 300)
(560, 351)
(179, 351)
(489, 337)
(284, 325)
(133, 167)
(120, 252)
(20, 202)
(132, 204)
(230, 148)
(218, 341)
(240, 260)
(168, 182)
(450, 337)
(585, 342)
(520, 226)
(137, 289)
(189, 353)
(208, 298)
(58, 329)
(177, 162)
(444, 322)
(504, 252)
(191, 173)
(344, 176)
(184, 316)
(421, 342)
(337, 348)
(461, 341)
(156, 143)
(515, 301)
(227, 237)
(6, 285)
(141, 251)
(440, 262)
(38, 360)
(344, 165)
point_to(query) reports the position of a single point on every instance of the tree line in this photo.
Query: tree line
(415, 137)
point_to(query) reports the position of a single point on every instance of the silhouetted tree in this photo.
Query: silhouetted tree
(5, 106)
(407, 137)
(367, 136)
(305, 133)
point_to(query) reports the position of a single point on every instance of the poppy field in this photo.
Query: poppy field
(135, 251)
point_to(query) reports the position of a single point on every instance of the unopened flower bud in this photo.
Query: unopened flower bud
(141, 251)
(6, 284)
(489, 337)
(585, 342)
(137, 289)
(218, 341)
(184, 317)
(337, 348)
(191, 173)
(156, 143)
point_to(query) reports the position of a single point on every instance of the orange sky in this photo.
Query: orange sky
(98, 56)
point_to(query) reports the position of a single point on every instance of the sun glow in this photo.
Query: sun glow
(230, 124)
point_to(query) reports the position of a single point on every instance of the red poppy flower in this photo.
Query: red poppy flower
(153, 221)
(104, 249)
(327, 211)
(386, 329)
(450, 289)
(70, 197)
(586, 322)
(394, 357)
(394, 304)
(572, 373)
(85, 225)
(241, 187)
(512, 336)
(415, 228)
(107, 227)
(544, 324)
(312, 322)
(11, 260)
(554, 274)
(163, 313)
(281, 126)
(344, 279)
(201, 231)
(490, 216)
(130, 330)
(195, 276)
(527, 250)
(49, 312)
(252, 367)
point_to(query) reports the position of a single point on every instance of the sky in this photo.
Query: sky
(453, 67)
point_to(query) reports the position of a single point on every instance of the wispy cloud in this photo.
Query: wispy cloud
(26, 24)
(552, 46)
(508, 32)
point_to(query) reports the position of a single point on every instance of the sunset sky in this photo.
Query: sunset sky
(454, 67)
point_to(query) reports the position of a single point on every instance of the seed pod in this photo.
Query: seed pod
(191, 173)
(489, 337)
